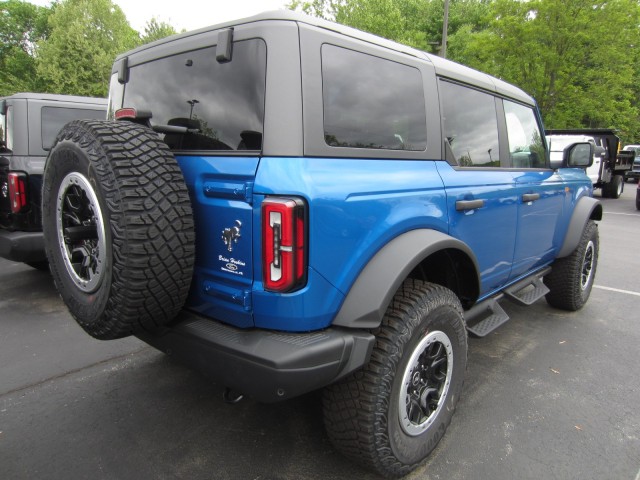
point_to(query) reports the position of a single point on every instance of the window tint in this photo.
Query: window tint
(221, 103)
(370, 102)
(526, 147)
(470, 126)
(54, 118)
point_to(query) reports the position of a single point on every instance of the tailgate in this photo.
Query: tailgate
(221, 195)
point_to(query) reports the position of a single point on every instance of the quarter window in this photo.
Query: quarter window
(54, 118)
(370, 102)
(526, 148)
(470, 126)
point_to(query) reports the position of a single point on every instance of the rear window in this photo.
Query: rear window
(54, 118)
(370, 102)
(221, 104)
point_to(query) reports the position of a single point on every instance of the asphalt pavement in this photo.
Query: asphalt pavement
(549, 395)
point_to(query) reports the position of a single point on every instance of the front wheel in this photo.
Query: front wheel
(391, 415)
(572, 277)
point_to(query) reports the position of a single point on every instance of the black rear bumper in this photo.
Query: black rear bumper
(269, 366)
(22, 246)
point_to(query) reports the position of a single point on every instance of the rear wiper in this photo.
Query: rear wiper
(174, 129)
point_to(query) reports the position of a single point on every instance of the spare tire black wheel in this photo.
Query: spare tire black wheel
(118, 227)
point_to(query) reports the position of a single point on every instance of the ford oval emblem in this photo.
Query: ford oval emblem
(231, 266)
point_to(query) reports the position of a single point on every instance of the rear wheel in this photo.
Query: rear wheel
(391, 415)
(118, 227)
(572, 277)
(614, 188)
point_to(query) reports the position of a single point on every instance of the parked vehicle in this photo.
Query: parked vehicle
(634, 172)
(638, 197)
(29, 123)
(288, 204)
(610, 165)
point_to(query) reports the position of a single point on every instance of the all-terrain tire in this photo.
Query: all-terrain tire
(571, 278)
(118, 227)
(377, 415)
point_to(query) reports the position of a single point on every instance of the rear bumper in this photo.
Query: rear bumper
(22, 246)
(632, 174)
(269, 366)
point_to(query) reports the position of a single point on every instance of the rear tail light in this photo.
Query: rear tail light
(284, 246)
(17, 191)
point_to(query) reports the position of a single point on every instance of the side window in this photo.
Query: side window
(54, 118)
(370, 102)
(3, 127)
(526, 148)
(470, 126)
(7, 126)
(220, 104)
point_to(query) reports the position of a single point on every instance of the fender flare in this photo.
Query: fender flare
(587, 208)
(373, 290)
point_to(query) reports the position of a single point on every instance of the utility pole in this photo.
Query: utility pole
(445, 27)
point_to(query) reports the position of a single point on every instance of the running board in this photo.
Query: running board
(491, 316)
(488, 315)
(528, 291)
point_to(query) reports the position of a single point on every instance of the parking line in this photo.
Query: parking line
(628, 292)
(638, 476)
(618, 213)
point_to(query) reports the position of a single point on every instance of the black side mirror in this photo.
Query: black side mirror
(578, 155)
(3, 107)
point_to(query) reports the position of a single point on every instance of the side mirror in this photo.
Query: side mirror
(3, 107)
(578, 155)
(599, 151)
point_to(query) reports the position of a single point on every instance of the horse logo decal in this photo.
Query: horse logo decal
(231, 235)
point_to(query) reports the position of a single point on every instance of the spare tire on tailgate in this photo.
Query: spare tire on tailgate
(118, 227)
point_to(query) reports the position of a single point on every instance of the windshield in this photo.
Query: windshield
(220, 104)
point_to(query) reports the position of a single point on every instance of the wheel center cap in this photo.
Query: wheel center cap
(415, 379)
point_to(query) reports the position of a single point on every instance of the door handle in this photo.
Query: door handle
(462, 205)
(530, 197)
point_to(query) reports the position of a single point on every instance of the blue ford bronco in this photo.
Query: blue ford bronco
(287, 204)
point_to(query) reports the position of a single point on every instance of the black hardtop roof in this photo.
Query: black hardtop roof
(445, 68)
(52, 97)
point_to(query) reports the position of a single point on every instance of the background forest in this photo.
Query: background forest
(578, 58)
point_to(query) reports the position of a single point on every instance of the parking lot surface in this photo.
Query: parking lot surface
(551, 395)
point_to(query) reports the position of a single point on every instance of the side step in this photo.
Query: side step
(491, 317)
(485, 317)
(528, 291)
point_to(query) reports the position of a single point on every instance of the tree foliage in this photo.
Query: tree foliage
(22, 25)
(156, 30)
(86, 36)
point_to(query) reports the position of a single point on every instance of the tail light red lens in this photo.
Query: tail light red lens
(284, 247)
(17, 191)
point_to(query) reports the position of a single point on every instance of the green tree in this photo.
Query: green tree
(22, 25)
(417, 23)
(86, 36)
(576, 57)
(156, 30)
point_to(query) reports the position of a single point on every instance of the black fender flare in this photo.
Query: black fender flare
(587, 208)
(373, 290)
